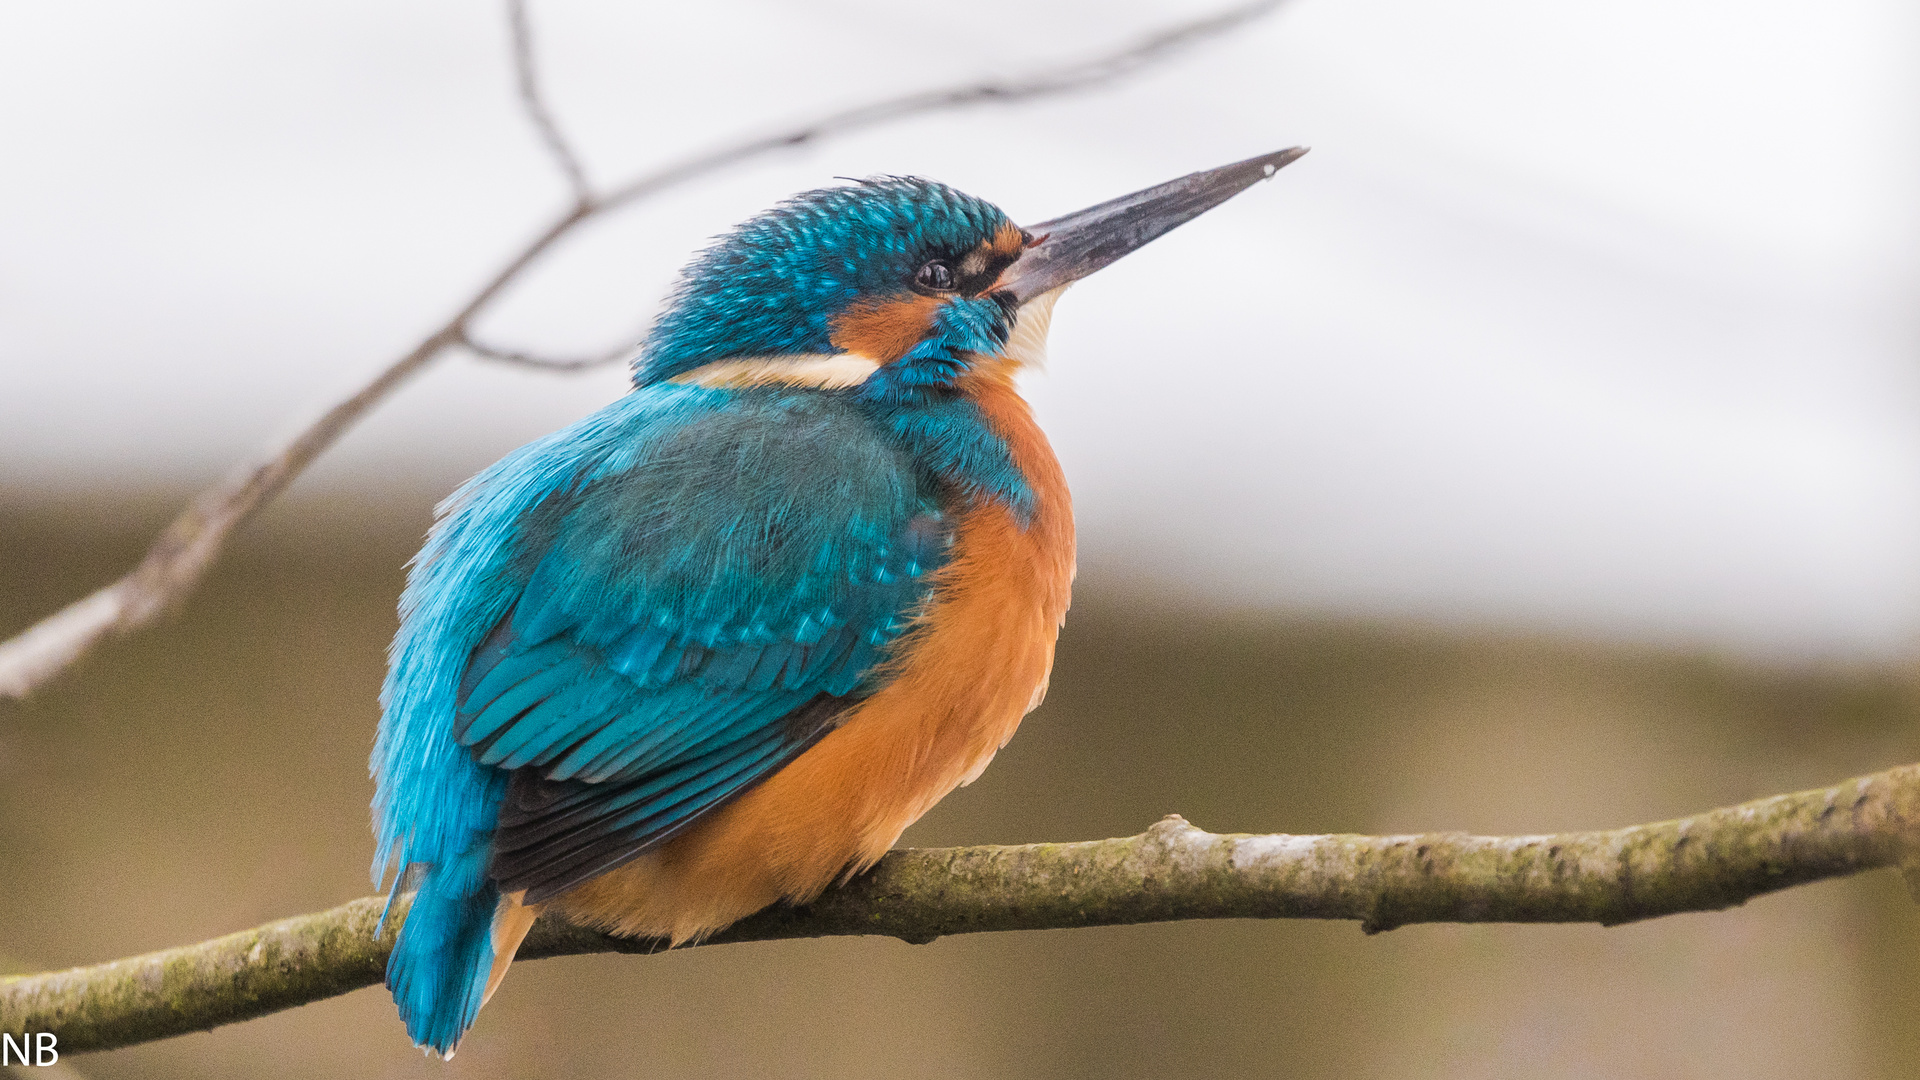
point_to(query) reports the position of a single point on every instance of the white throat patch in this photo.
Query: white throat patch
(823, 371)
(1027, 345)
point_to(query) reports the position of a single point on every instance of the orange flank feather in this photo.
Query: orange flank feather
(511, 921)
(973, 666)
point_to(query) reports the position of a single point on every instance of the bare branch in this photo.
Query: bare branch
(526, 72)
(1172, 871)
(549, 363)
(181, 556)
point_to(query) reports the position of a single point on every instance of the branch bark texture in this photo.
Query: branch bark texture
(1172, 871)
(181, 556)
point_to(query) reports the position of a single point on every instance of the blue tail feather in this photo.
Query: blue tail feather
(438, 970)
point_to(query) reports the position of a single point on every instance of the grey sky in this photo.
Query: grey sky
(1589, 318)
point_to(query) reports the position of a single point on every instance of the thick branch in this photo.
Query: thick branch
(183, 553)
(1172, 871)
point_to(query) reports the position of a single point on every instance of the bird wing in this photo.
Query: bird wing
(695, 620)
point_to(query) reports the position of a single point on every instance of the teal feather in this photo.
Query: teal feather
(620, 627)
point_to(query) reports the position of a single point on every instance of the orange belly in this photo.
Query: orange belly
(977, 662)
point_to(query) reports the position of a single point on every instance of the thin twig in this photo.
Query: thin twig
(1100, 70)
(181, 556)
(527, 75)
(549, 363)
(1172, 871)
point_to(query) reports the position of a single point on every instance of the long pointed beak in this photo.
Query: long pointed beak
(1071, 247)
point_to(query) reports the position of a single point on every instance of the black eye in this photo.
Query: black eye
(936, 275)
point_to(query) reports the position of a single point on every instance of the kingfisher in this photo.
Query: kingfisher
(717, 645)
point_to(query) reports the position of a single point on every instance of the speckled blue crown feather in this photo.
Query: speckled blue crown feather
(772, 286)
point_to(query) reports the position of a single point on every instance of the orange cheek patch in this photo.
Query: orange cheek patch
(885, 330)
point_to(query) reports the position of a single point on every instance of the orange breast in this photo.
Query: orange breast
(976, 664)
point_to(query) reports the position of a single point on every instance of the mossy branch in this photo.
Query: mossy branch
(1172, 871)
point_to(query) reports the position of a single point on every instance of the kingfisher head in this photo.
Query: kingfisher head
(899, 285)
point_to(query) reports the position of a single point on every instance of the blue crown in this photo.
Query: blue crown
(772, 286)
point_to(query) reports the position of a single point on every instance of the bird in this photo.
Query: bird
(715, 646)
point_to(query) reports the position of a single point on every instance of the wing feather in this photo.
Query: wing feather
(692, 621)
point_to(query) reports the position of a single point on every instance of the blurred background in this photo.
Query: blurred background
(1542, 452)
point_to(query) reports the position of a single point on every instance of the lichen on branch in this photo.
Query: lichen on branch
(1173, 871)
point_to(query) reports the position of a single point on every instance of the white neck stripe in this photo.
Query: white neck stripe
(825, 371)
